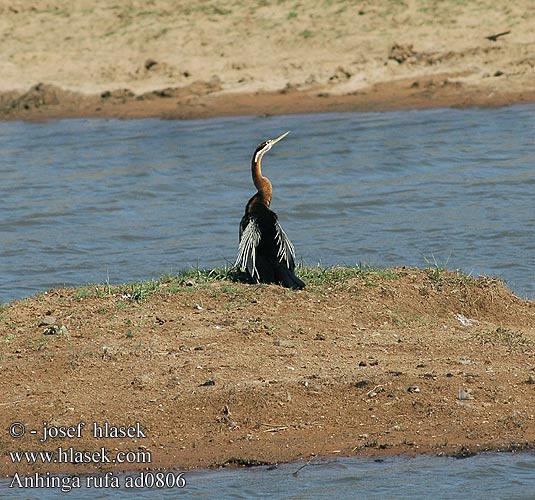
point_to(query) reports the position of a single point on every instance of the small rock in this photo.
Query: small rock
(208, 383)
(48, 321)
(375, 391)
(108, 352)
(531, 379)
(150, 63)
(362, 383)
(167, 92)
(52, 330)
(463, 395)
(400, 53)
(118, 94)
(370, 362)
(413, 388)
(140, 381)
(340, 74)
(464, 452)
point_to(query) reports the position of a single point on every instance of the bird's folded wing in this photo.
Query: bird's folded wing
(250, 238)
(285, 249)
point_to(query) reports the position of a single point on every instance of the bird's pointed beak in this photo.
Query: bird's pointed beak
(279, 138)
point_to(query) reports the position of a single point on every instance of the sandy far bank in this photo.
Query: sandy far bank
(133, 59)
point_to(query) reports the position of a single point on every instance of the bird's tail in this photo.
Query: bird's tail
(288, 278)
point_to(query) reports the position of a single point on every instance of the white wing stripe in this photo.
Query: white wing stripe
(286, 250)
(246, 260)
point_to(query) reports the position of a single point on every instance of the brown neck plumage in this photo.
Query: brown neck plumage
(262, 183)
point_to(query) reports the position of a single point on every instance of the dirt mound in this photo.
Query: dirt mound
(390, 361)
(39, 95)
(43, 101)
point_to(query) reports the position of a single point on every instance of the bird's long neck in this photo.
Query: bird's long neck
(262, 183)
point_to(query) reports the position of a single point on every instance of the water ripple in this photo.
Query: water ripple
(84, 200)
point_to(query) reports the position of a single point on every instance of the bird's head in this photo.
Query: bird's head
(265, 146)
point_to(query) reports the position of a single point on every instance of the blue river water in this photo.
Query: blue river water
(94, 201)
(494, 476)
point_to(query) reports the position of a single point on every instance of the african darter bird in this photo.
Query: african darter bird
(265, 253)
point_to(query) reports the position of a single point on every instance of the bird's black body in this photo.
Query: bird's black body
(270, 267)
(265, 253)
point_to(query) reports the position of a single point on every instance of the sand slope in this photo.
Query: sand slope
(420, 50)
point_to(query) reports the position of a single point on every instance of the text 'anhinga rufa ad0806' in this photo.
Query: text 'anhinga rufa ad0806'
(265, 253)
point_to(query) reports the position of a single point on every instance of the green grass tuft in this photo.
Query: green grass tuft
(138, 292)
(230, 280)
(198, 275)
(319, 276)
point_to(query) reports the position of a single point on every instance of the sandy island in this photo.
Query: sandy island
(396, 361)
(219, 372)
